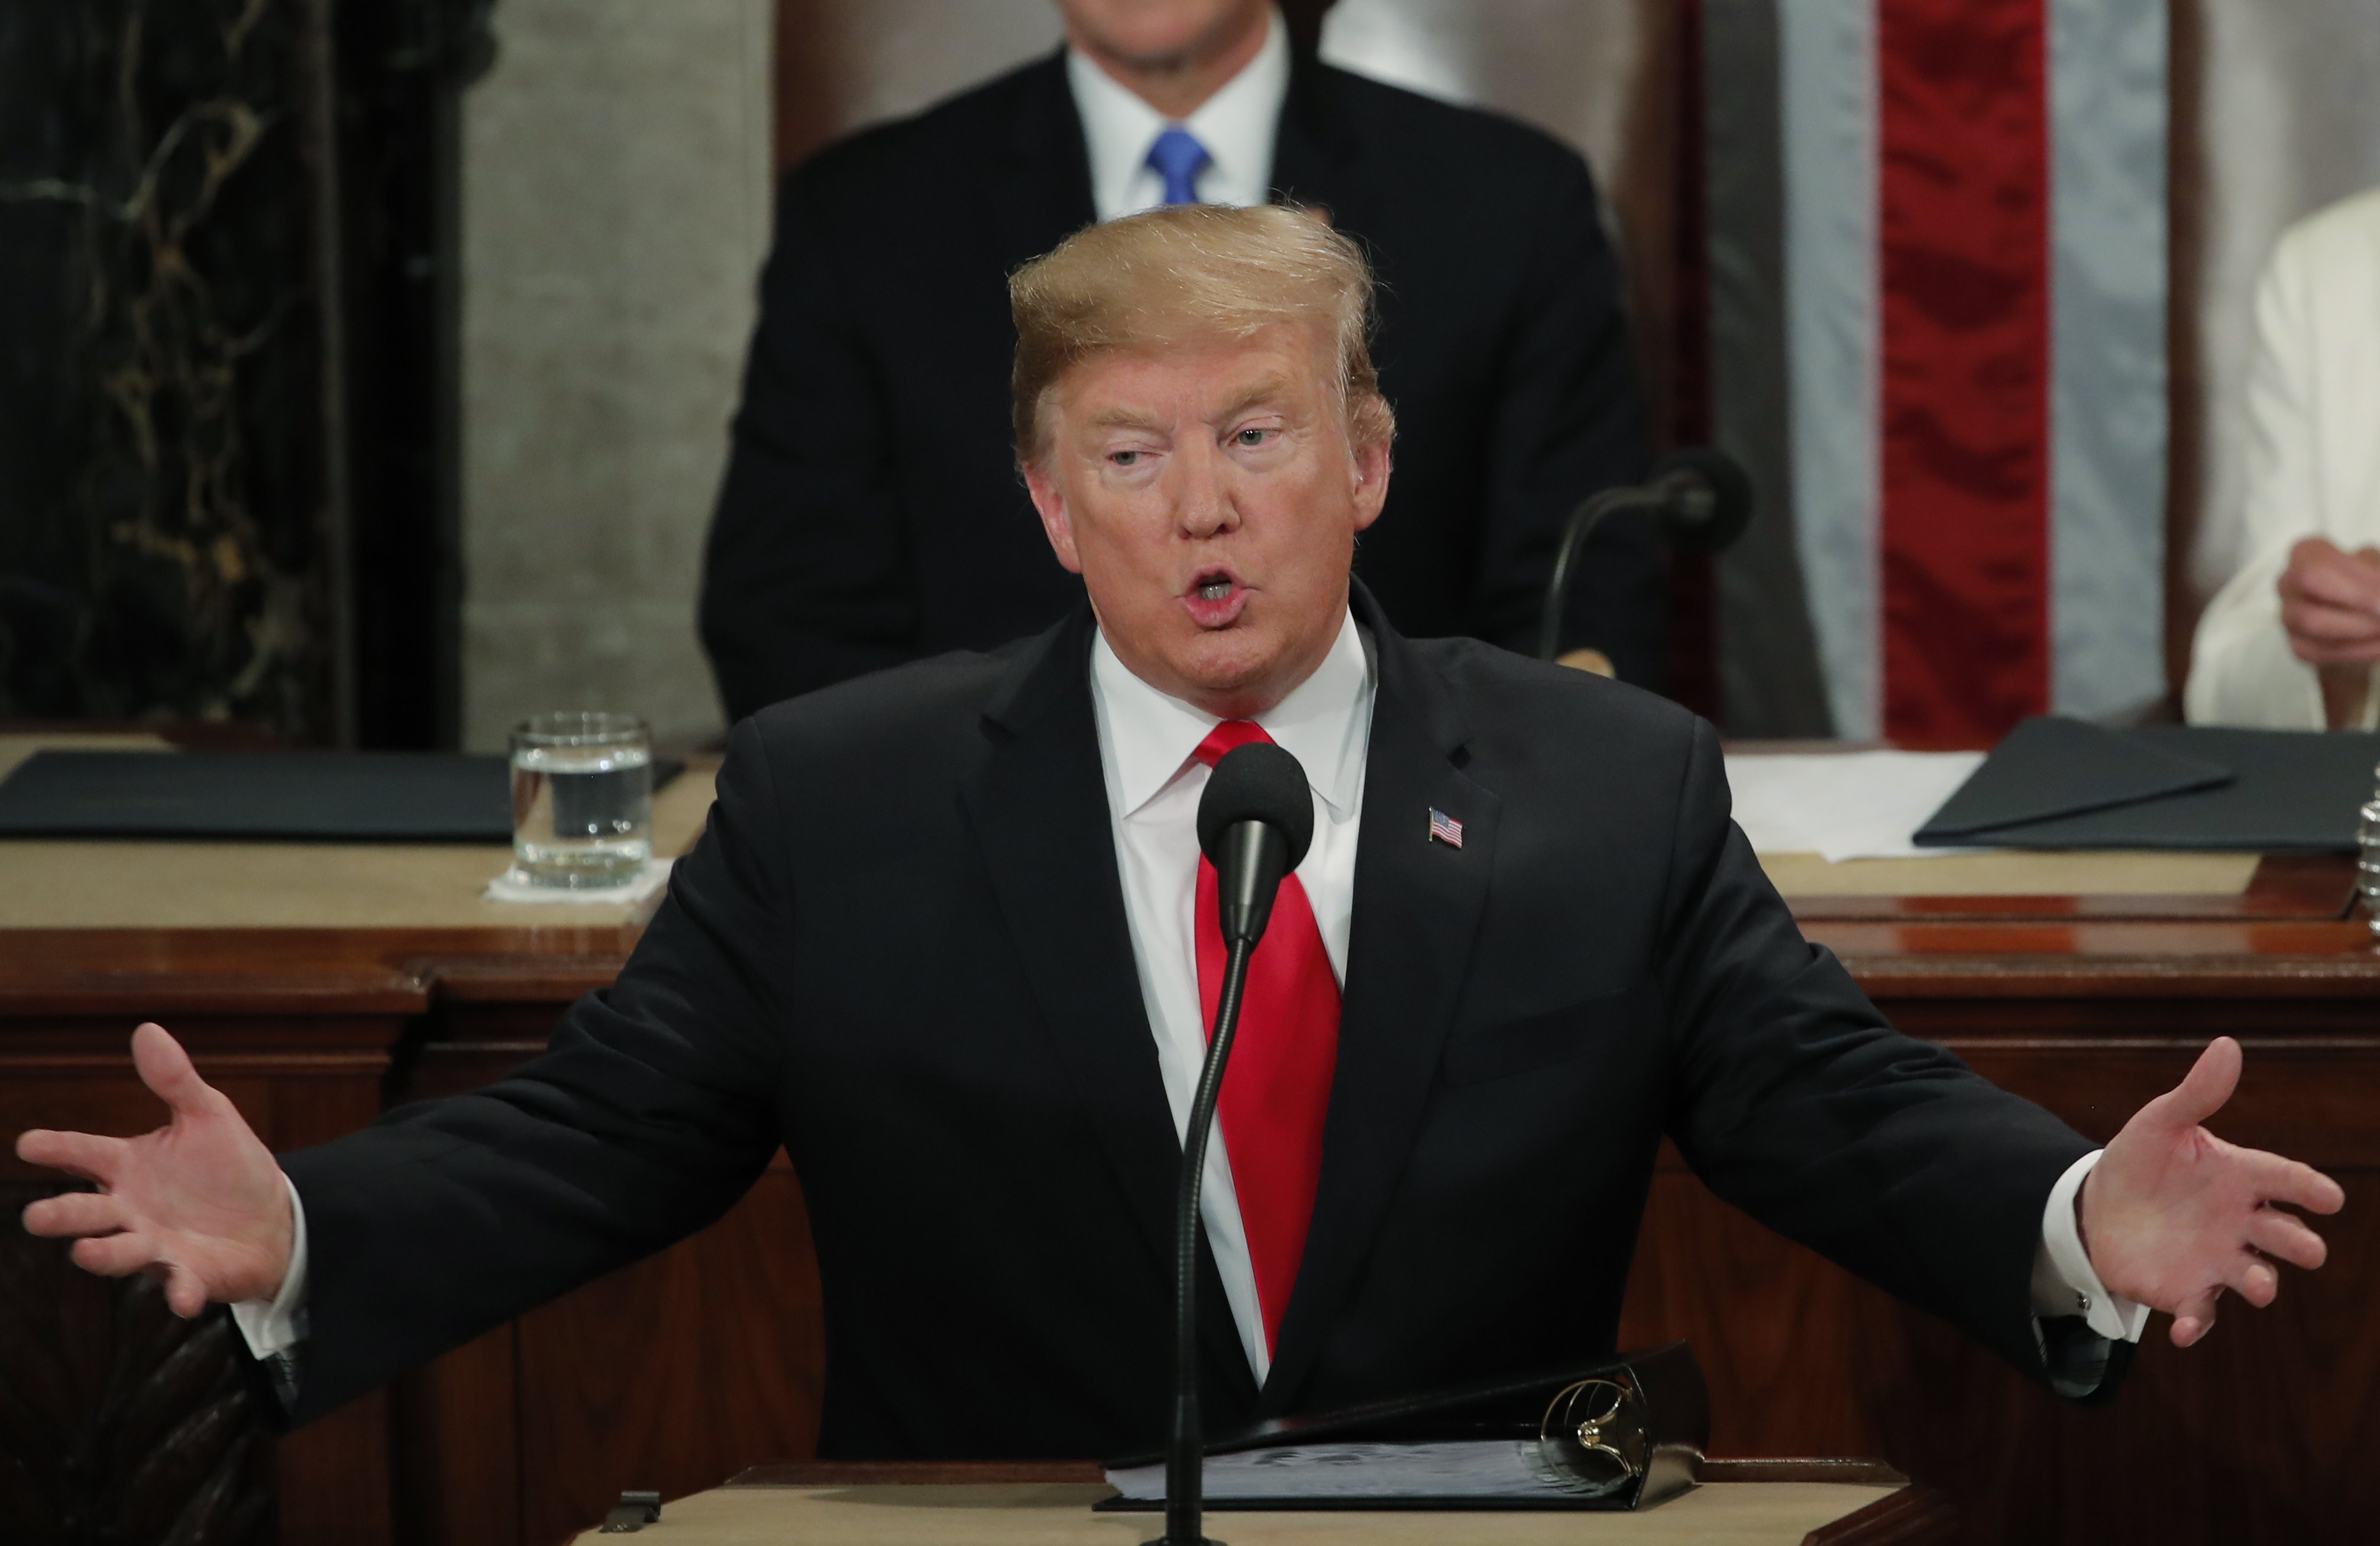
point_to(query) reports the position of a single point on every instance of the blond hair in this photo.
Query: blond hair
(1186, 272)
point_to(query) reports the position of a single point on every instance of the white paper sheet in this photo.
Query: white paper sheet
(1506, 1468)
(1844, 804)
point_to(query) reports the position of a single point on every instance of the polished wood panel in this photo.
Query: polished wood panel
(117, 1420)
(2262, 1432)
(2300, 886)
(683, 1370)
(303, 1060)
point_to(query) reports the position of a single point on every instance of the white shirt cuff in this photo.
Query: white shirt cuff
(274, 1326)
(2064, 1283)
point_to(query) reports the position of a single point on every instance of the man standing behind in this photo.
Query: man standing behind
(873, 513)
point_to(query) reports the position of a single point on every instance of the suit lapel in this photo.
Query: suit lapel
(1417, 908)
(1039, 807)
(1040, 181)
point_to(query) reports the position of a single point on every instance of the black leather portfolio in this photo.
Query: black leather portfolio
(376, 797)
(1622, 1434)
(2064, 784)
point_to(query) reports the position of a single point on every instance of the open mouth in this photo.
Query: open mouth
(1214, 598)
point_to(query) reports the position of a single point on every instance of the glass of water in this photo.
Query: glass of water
(2367, 860)
(582, 799)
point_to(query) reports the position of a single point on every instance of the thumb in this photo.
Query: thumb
(186, 1291)
(165, 1068)
(2203, 1089)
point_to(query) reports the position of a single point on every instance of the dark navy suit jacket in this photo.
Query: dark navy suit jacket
(900, 951)
(872, 512)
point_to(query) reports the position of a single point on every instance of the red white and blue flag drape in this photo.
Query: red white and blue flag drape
(1974, 297)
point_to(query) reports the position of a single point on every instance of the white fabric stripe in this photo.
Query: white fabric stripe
(2107, 395)
(1828, 111)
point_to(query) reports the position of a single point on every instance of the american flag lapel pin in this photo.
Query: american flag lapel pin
(1445, 829)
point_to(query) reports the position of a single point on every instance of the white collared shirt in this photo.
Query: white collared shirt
(1237, 126)
(1146, 742)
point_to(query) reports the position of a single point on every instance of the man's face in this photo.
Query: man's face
(1209, 498)
(1158, 33)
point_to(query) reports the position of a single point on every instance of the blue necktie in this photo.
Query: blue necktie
(1179, 158)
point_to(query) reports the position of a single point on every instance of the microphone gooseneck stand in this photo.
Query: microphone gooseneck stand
(1184, 1477)
(1702, 500)
(1254, 823)
(1582, 521)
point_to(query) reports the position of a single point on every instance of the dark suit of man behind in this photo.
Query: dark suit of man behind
(901, 951)
(872, 512)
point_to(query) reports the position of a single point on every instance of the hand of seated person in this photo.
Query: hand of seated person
(2330, 603)
(200, 1202)
(2330, 606)
(2172, 1215)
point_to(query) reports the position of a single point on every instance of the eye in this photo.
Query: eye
(1125, 458)
(1252, 438)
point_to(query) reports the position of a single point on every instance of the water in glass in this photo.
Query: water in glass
(582, 799)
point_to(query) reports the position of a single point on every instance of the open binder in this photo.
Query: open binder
(368, 796)
(2056, 783)
(1622, 1434)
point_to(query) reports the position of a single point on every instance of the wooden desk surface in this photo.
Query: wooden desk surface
(869, 1508)
(154, 927)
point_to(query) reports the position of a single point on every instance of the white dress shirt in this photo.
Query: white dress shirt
(1236, 125)
(1147, 740)
(1154, 783)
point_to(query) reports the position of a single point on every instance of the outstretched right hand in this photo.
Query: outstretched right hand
(199, 1203)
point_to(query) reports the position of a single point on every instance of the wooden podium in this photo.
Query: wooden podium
(318, 985)
(1776, 1502)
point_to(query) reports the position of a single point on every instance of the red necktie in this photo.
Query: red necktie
(1277, 1087)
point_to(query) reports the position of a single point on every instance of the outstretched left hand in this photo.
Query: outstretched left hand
(2172, 1215)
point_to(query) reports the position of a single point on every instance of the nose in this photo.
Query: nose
(1203, 502)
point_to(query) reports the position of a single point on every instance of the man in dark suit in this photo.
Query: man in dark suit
(871, 512)
(943, 941)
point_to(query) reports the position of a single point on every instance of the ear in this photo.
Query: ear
(1050, 503)
(1371, 481)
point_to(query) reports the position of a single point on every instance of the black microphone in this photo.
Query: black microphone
(1256, 821)
(1700, 498)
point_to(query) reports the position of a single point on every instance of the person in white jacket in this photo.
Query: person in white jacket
(2290, 640)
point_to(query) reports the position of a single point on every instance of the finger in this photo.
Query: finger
(185, 1295)
(115, 1256)
(77, 1213)
(2314, 621)
(2284, 1237)
(2253, 1278)
(2203, 1089)
(2194, 1319)
(2319, 569)
(2315, 653)
(85, 1154)
(165, 1068)
(2278, 1178)
(2350, 586)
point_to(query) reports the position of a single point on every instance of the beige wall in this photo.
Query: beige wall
(616, 210)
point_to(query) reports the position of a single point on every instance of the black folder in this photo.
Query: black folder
(2064, 784)
(373, 797)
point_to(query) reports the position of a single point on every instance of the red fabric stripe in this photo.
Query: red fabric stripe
(1963, 224)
